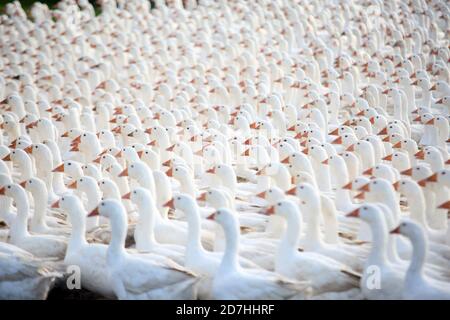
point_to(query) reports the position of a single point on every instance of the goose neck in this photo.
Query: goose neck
(419, 242)
(290, 238)
(377, 254)
(19, 225)
(230, 258)
(78, 222)
(193, 219)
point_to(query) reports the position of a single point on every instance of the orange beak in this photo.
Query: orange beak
(420, 155)
(368, 171)
(351, 148)
(270, 210)
(285, 160)
(325, 161)
(383, 131)
(396, 185)
(365, 188)
(127, 196)
(360, 196)
(73, 185)
(397, 145)
(7, 157)
(292, 191)
(77, 140)
(430, 122)
(395, 231)
(335, 132)
(354, 213)
(23, 184)
(211, 216)
(388, 158)
(348, 186)
(29, 149)
(59, 168)
(433, 178)
(170, 204)
(212, 170)
(202, 197)
(94, 213)
(445, 205)
(75, 148)
(169, 172)
(407, 172)
(124, 173)
(246, 153)
(260, 172)
(261, 195)
(55, 205)
(338, 140)
(422, 182)
(171, 148)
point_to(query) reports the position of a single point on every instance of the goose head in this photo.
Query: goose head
(72, 205)
(409, 229)
(226, 219)
(369, 212)
(286, 209)
(141, 197)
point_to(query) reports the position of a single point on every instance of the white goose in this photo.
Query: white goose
(130, 275)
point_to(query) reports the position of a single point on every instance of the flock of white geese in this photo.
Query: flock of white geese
(226, 149)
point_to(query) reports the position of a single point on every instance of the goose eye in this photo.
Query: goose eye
(9, 187)
(103, 182)
(69, 164)
(178, 198)
(132, 166)
(62, 198)
(103, 203)
(374, 182)
(403, 183)
(134, 192)
(443, 173)
(81, 180)
(364, 208)
(279, 204)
